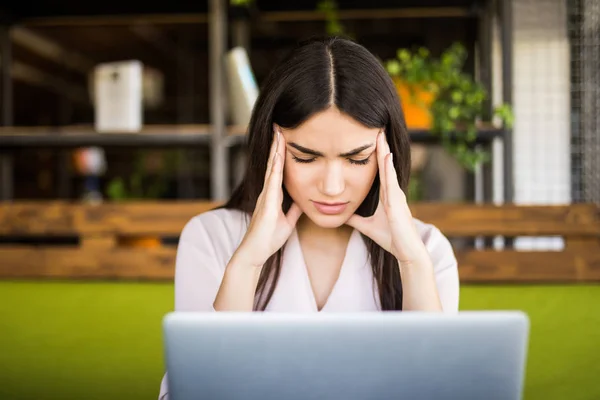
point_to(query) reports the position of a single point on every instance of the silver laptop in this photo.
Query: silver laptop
(350, 356)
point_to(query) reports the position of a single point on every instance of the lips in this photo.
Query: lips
(330, 208)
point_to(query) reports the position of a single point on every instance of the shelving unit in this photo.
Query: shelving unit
(217, 134)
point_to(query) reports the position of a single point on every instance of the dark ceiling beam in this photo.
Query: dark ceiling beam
(51, 50)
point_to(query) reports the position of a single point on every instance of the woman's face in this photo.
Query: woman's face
(330, 166)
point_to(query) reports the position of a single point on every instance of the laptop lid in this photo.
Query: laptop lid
(402, 355)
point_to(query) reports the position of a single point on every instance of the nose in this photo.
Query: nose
(332, 182)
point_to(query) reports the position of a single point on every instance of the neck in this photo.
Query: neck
(311, 234)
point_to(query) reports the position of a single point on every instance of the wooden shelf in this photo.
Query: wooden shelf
(85, 135)
(160, 136)
(485, 135)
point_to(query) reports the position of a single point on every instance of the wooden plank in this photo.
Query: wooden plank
(575, 243)
(126, 218)
(75, 263)
(159, 263)
(531, 266)
(101, 241)
(510, 220)
(136, 218)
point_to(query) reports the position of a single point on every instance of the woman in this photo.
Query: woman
(320, 221)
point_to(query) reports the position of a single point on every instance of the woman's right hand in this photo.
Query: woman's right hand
(269, 227)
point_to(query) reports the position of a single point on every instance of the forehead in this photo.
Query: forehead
(331, 130)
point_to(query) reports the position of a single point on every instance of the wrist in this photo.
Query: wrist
(238, 287)
(243, 258)
(422, 262)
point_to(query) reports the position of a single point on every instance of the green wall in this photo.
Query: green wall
(103, 340)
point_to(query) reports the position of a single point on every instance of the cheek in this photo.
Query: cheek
(362, 178)
(294, 175)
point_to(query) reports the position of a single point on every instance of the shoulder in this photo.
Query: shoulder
(222, 228)
(438, 245)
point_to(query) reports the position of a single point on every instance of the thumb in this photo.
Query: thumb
(293, 214)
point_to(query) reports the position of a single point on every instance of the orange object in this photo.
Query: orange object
(148, 242)
(415, 105)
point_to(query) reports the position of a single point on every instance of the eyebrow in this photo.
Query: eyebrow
(318, 153)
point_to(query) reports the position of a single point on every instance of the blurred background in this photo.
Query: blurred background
(120, 121)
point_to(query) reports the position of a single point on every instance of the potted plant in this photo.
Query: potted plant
(437, 95)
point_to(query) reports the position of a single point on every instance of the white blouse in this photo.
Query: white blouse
(208, 241)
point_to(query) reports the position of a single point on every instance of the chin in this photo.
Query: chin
(328, 221)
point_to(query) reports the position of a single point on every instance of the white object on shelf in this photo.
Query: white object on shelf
(242, 86)
(118, 96)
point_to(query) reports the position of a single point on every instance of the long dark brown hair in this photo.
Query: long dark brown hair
(317, 74)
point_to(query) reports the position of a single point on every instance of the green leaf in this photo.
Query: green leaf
(454, 112)
(403, 55)
(116, 189)
(471, 133)
(506, 115)
(393, 67)
(457, 96)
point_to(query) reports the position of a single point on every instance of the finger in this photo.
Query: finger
(293, 214)
(395, 195)
(275, 152)
(281, 147)
(381, 163)
(269, 169)
(272, 153)
(362, 224)
(387, 145)
(275, 180)
(278, 161)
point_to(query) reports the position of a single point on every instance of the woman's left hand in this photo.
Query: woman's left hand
(392, 226)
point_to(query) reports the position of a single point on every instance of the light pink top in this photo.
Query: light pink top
(208, 240)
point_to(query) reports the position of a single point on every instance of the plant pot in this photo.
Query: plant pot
(147, 242)
(415, 104)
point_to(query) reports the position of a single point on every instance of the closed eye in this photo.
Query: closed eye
(364, 161)
(303, 160)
